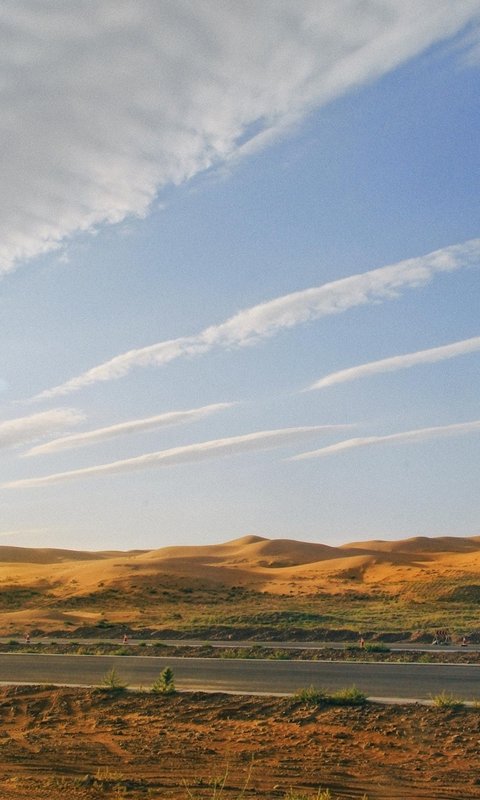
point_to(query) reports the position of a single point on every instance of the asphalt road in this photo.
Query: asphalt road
(419, 681)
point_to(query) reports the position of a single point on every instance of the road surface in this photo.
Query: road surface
(419, 681)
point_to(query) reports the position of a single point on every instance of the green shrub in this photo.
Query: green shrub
(311, 696)
(279, 655)
(112, 681)
(426, 658)
(165, 683)
(446, 700)
(376, 647)
(350, 696)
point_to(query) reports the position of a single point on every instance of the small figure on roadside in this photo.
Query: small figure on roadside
(362, 642)
(464, 641)
(27, 638)
(125, 638)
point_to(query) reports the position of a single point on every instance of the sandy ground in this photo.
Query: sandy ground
(72, 743)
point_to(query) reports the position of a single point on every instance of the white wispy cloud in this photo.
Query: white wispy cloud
(418, 435)
(395, 363)
(104, 102)
(266, 319)
(124, 428)
(27, 429)
(191, 453)
(22, 532)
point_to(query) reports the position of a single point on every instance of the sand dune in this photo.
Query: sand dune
(249, 553)
(420, 544)
(36, 583)
(31, 555)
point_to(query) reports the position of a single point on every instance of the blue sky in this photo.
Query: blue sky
(177, 179)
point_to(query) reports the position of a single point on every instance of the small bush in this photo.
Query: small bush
(165, 683)
(351, 696)
(112, 681)
(446, 700)
(376, 647)
(279, 655)
(311, 696)
(426, 658)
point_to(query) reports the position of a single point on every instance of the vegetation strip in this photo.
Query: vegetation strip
(374, 653)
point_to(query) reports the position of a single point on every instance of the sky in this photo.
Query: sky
(239, 271)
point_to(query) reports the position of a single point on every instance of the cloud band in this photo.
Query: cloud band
(266, 319)
(125, 428)
(191, 453)
(420, 434)
(395, 363)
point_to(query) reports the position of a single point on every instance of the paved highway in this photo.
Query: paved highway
(256, 676)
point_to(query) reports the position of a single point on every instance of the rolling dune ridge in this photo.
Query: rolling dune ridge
(48, 588)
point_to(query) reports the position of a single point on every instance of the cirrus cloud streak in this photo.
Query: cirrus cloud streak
(418, 435)
(186, 454)
(266, 319)
(395, 363)
(167, 419)
(25, 429)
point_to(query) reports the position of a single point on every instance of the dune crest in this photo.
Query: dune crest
(42, 587)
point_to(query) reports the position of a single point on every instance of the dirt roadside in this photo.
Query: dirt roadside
(84, 743)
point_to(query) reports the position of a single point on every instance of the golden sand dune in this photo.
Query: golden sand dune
(420, 545)
(272, 565)
(253, 551)
(45, 555)
(48, 588)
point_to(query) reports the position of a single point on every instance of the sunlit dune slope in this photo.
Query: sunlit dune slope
(251, 551)
(45, 555)
(420, 545)
(45, 587)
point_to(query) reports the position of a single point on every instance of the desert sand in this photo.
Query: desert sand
(74, 743)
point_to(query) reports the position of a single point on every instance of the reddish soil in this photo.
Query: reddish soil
(83, 743)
